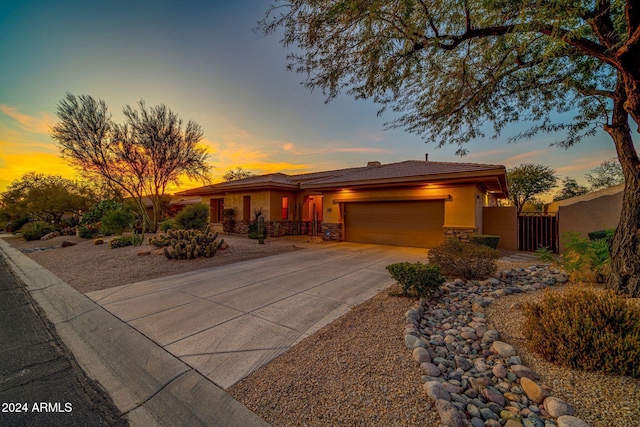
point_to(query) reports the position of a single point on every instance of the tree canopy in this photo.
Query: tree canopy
(452, 68)
(527, 181)
(47, 197)
(569, 188)
(141, 156)
(605, 175)
(237, 173)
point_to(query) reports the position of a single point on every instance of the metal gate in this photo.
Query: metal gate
(537, 230)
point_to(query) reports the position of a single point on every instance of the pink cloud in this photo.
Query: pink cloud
(32, 124)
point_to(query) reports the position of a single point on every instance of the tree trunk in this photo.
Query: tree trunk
(625, 245)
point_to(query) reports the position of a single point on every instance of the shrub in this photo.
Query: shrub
(88, 231)
(35, 230)
(99, 209)
(602, 234)
(116, 220)
(120, 242)
(585, 259)
(193, 217)
(544, 254)
(464, 260)
(486, 240)
(417, 279)
(168, 224)
(17, 223)
(587, 330)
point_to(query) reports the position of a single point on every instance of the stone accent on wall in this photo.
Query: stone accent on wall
(331, 231)
(461, 233)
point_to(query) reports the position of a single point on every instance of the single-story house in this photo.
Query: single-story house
(411, 203)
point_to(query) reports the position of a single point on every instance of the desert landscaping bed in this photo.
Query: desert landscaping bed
(89, 267)
(356, 370)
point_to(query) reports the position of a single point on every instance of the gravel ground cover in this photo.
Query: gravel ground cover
(89, 267)
(357, 370)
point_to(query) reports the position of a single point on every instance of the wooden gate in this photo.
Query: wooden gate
(536, 230)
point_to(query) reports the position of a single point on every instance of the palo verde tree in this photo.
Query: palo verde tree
(450, 67)
(528, 180)
(141, 156)
(237, 173)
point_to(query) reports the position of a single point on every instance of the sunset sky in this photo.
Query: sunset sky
(205, 60)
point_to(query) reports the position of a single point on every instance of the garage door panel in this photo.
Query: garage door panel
(409, 223)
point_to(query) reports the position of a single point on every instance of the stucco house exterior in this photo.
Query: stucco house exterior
(411, 203)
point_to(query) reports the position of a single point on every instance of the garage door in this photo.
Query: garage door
(407, 223)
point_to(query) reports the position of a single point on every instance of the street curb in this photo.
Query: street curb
(147, 384)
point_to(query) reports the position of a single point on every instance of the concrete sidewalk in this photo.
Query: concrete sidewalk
(147, 384)
(228, 321)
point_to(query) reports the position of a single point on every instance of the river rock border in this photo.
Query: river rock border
(473, 377)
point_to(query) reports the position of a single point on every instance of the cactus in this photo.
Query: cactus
(187, 244)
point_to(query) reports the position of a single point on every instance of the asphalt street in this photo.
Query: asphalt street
(40, 382)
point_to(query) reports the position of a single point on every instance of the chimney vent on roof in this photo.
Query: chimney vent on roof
(426, 157)
(374, 164)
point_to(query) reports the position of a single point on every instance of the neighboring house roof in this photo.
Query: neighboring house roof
(493, 177)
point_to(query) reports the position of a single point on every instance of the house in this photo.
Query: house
(411, 203)
(599, 210)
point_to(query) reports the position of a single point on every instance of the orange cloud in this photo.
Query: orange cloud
(31, 124)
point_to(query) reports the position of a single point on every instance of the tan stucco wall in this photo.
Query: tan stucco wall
(462, 210)
(259, 199)
(592, 215)
(276, 205)
(501, 221)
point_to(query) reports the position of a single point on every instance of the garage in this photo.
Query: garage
(416, 223)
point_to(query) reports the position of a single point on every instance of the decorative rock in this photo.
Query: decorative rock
(493, 395)
(224, 246)
(532, 421)
(412, 342)
(452, 388)
(513, 423)
(508, 415)
(488, 414)
(98, 241)
(430, 369)
(524, 371)
(557, 408)
(499, 371)
(571, 421)
(490, 336)
(477, 422)
(449, 416)
(421, 355)
(142, 253)
(479, 383)
(533, 390)
(503, 349)
(463, 363)
(436, 391)
(66, 244)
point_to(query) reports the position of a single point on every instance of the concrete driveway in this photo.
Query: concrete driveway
(226, 322)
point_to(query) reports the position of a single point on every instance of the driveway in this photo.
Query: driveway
(226, 322)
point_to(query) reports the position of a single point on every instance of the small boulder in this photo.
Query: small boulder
(503, 349)
(533, 390)
(421, 355)
(436, 391)
(557, 407)
(66, 244)
(571, 421)
(449, 416)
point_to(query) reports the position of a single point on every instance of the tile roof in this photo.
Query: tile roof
(373, 173)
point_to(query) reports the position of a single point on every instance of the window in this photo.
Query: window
(285, 207)
(246, 209)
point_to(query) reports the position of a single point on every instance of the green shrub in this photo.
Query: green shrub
(99, 209)
(89, 231)
(464, 260)
(544, 254)
(602, 234)
(584, 259)
(486, 240)
(17, 223)
(37, 229)
(417, 279)
(595, 331)
(193, 217)
(115, 220)
(168, 224)
(120, 242)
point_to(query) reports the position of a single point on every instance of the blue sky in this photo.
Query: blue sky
(208, 64)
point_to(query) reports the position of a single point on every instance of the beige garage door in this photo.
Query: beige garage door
(409, 223)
